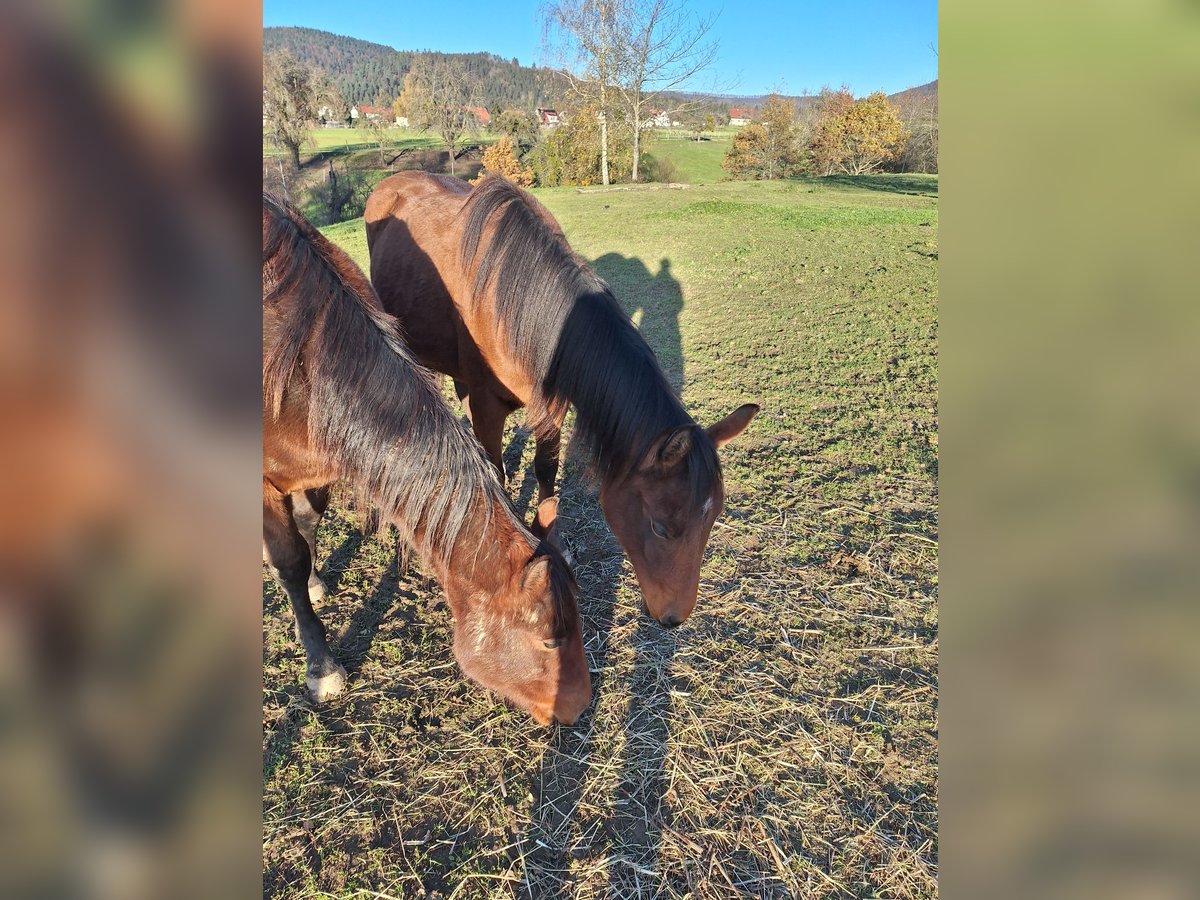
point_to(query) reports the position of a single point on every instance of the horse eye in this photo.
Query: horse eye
(552, 645)
(658, 529)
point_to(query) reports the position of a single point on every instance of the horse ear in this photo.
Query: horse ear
(535, 577)
(733, 424)
(545, 521)
(674, 447)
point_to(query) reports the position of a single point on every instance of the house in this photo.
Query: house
(658, 119)
(482, 116)
(740, 116)
(328, 118)
(548, 118)
(371, 113)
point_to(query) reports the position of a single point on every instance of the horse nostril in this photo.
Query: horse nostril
(670, 620)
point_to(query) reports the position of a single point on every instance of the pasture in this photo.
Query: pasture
(783, 741)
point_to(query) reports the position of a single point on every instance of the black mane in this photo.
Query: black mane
(562, 322)
(372, 409)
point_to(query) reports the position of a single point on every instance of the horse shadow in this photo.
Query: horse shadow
(629, 833)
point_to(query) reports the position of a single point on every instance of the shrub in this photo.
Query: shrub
(660, 169)
(501, 159)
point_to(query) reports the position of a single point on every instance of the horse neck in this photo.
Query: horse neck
(614, 381)
(491, 548)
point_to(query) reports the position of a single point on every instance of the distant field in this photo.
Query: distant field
(355, 139)
(696, 162)
(783, 742)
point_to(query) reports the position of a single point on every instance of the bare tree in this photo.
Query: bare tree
(581, 36)
(379, 131)
(291, 91)
(661, 45)
(437, 99)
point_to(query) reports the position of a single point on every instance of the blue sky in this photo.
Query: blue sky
(765, 45)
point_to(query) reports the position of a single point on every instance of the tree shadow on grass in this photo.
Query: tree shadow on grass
(914, 185)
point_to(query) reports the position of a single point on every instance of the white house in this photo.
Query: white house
(739, 116)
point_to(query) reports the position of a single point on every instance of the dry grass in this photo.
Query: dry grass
(783, 742)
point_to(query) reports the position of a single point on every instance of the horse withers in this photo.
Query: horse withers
(344, 400)
(491, 293)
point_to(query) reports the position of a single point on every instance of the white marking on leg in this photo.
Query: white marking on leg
(327, 685)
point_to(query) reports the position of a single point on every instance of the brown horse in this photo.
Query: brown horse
(343, 399)
(491, 294)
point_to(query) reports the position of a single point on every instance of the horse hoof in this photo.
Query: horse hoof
(316, 589)
(326, 686)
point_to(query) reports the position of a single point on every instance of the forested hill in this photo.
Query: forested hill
(374, 74)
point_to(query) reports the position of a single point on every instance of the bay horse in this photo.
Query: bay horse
(343, 399)
(491, 293)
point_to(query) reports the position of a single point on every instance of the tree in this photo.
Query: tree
(859, 137)
(437, 99)
(582, 35)
(570, 153)
(379, 130)
(661, 44)
(519, 126)
(290, 96)
(746, 157)
(501, 159)
(767, 148)
(406, 98)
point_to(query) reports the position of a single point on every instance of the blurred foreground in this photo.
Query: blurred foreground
(129, 347)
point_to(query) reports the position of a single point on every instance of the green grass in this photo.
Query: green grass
(783, 742)
(348, 141)
(695, 162)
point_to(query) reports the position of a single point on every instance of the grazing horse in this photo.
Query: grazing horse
(490, 293)
(344, 400)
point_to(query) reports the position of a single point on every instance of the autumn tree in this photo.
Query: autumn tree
(406, 97)
(437, 99)
(291, 94)
(501, 159)
(858, 137)
(767, 148)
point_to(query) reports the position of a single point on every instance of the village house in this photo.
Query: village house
(548, 118)
(371, 113)
(482, 116)
(740, 116)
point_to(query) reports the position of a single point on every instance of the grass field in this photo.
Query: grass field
(781, 743)
(351, 139)
(695, 162)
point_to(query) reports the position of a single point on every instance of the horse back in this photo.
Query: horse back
(412, 251)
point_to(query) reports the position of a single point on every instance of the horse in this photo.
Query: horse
(343, 399)
(491, 293)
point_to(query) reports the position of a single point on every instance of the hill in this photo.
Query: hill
(374, 74)
(916, 96)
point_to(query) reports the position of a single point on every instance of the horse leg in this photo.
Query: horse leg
(464, 397)
(307, 509)
(545, 463)
(291, 563)
(489, 413)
